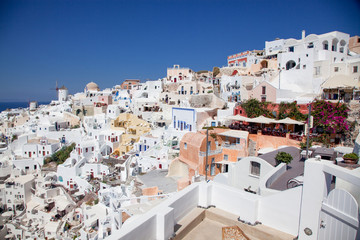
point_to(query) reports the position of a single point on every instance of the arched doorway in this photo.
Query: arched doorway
(264, 64)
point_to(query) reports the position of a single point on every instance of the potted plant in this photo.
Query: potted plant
(351, 158)
(283, 157)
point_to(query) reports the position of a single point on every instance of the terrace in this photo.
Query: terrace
(202, 209)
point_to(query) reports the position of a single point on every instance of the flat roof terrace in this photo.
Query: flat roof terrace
(204, 224)
(201, 210)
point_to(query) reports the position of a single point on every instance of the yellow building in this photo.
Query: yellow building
(133, 128)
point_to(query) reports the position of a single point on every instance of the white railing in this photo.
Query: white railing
(213, 152)
(232, 146)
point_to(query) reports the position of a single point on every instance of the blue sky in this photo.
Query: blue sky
(76, 41)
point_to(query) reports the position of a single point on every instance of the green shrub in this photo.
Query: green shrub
(351, 156)
(283, 157)
(14, 137)
(60, 156)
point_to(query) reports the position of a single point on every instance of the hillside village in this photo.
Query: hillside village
(194, 151)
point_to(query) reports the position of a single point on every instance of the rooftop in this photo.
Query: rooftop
(158, 178)
(235, 134)
(294, 169)
(207, 224)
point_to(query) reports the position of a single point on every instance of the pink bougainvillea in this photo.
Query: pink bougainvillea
(331, 116)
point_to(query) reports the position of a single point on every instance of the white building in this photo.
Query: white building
(146, 142)
(184, 119)
(177, 74)
(310, 211)
(114, 110)
(18, 190)
(297, 58)
(63, 94)
(40, 147)
(75, 172)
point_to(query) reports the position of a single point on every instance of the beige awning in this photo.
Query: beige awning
(237, 118)
(235, 134)
(340, 81)
(261, 119)
(289, 121)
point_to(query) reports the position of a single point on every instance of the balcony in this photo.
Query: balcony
(210, 153)
(232, 146)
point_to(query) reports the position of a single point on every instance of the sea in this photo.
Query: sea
(11, 105)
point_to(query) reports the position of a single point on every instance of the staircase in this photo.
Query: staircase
(252, 148)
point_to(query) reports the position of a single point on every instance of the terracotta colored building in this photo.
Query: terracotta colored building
(128, 84)
(354, 44)
(225, 146)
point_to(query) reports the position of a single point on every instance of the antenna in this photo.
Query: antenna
(56, 88)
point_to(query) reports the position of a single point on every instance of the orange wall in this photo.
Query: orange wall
(266, 141)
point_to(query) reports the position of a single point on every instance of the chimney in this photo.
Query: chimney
(303, 34)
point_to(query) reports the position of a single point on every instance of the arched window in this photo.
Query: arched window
(264, 64)
(255, 168)
(325, 45)
(290, 64)
(342, 45)
(334, 44)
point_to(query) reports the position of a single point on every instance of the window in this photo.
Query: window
(336, 69)
(226, 157)
(255, 168)
(290, 64)
(185, 145)
(325, 45)
(304, 66)
(355, 69)
(263, 98)
(263, 90)
(291, 49)
(311, 45)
